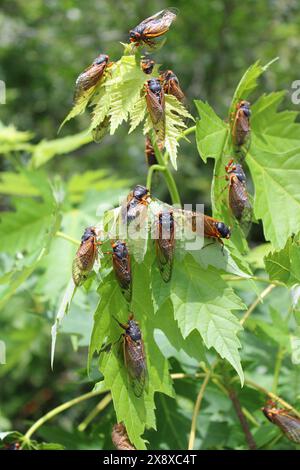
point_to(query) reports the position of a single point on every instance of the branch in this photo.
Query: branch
(256, 302)
(198, 405)
(244, 424)
(56, 411)
(92, 415)
(67, 237)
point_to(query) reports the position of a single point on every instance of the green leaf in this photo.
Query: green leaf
(211, 132)
(135, 413)
(48, 149)
(273, 162)
(80, 105)
(12, 140)
(203, 301)
(25, 229)
(137, 113)
(248, 82)
(174, 125)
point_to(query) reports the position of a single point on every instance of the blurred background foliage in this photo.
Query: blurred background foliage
(44, 45)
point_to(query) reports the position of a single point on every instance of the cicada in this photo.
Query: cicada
(285, 420)
(155, 100)
(91, 76)
(134, 355)
(149, 152)
(241, 123)
(153, 27)
(208, 226)
(238, 197)
(147, 65)
(171, 84)
(85, 257)
(165, 244)
(120, 438)
(122, 268)
(136, 200)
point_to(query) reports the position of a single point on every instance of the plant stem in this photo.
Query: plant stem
(92, 415)
(56, 411)
(278, 362)
(244, 424)
(188, 131)
(150, 174)
(167, 173)
(67, 237)
(256, 302)
(272, 395)
(198, 405)
(253, 278)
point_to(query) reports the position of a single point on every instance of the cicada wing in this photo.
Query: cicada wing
(88, 79)
(289, 424)
(84, 261)
(159, 23)
(155, 108)
(240, 204)
(123, 274)
(241, 128)
(165, 257)
(135, 361)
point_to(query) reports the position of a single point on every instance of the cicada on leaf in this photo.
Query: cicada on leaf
(238, 197)
(165, 244)
(155, 100)
(136, 201)
(134, 355)
(120, 438)
(85, 256)
(210, 227)
(122, 268)
(153, 27)
(150, 153)
(284, 419)
(91, 76)
(241, 123)
(147, 65)
(171, 85)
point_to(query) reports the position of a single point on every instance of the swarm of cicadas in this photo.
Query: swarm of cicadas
(134, 355)
(284, 419)
(240, 126)
(153, 27)
(86, 256)
(91, 76)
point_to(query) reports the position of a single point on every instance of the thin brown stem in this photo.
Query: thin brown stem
(242, 418)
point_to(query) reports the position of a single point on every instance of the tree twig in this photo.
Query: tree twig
(256, 302)
(244, 424)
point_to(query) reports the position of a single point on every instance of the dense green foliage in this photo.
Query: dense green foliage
(229, 320)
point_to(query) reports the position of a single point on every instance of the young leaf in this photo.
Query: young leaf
(174, 125)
